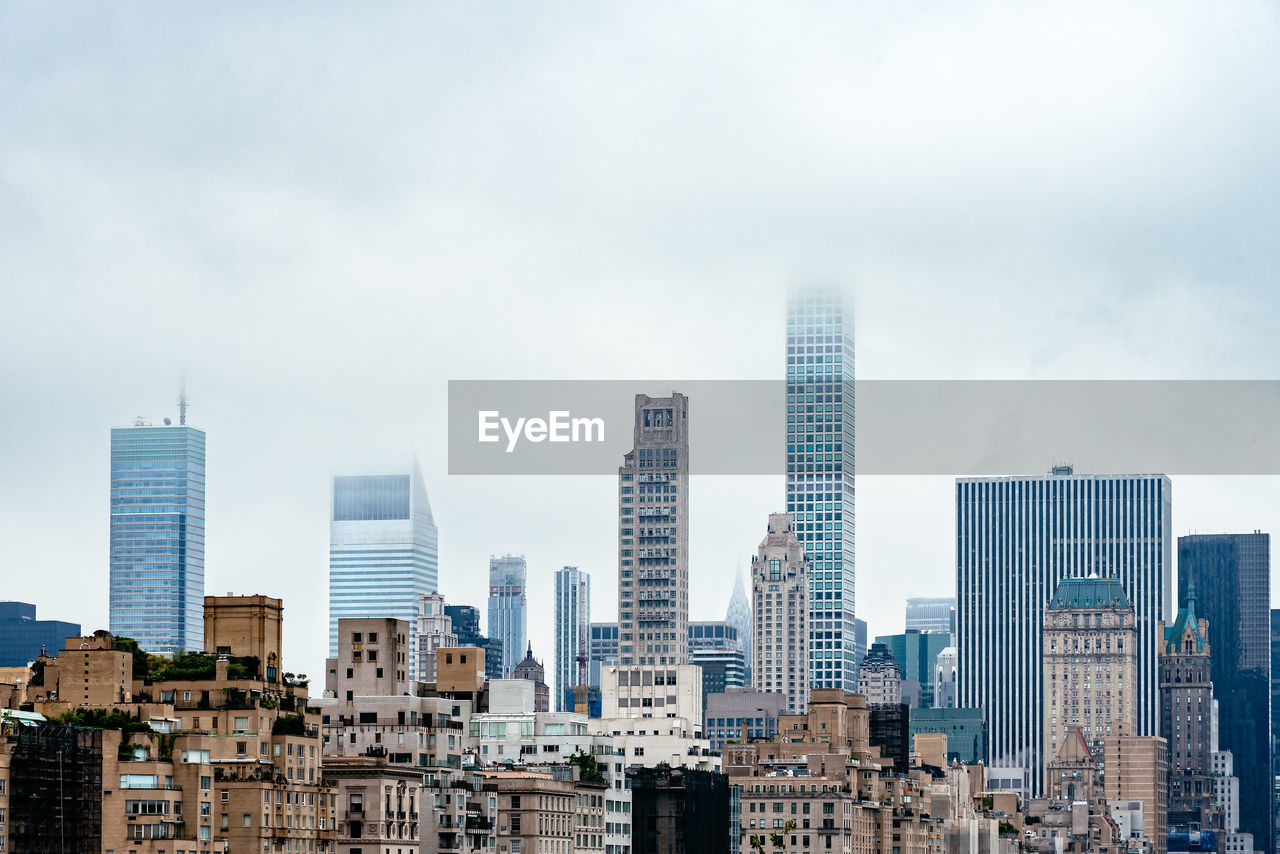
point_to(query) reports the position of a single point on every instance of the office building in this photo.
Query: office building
(383, 542)
(653, 535)
(964, 729)
(931, 614)
(435, 631)
(878, 677)
(466, 625)
(509, 607)
(157, 535)
(23, 637)
(713, 634)
(1016, 539)
(675, 810)
(722, 668)
(916, 654)
(1275, 712)
(738, 615)
(820, 475)
(573, 630)
(780, 592)
(604, 649)
(1231, 577)
(944, 679)
(889, 728)
(1089, 652)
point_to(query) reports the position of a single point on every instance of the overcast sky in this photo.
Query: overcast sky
(324, 213)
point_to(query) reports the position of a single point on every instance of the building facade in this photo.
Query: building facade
(509, 607)
(573, 631)
(1231, 578)
(1090, 657)
(1187, 718)
(917, 654)
(383, 541)
(820, 474)
(931, 614)
(604, 649)
(435, 631)
(532, 670)
(1016, 538)
(780, 599)
(738, 615)
(23, 637)
(653, 535)
(879, 678)
(466, 625)
(157, 535)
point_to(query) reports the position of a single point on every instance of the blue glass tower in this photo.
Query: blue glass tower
(157, 536)
(383, 541)
(508, 608)
(820, 475)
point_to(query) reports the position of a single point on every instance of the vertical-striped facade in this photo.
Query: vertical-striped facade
(509, 608)
(573, 632)
(820, 488)
(383, 542)
(157, 536)
(1016, 539)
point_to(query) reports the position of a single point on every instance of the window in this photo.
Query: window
(247, 820)
(373, 637)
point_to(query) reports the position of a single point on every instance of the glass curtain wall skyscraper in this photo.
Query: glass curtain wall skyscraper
(1231, 574)
(157, 535)
(573, 629)
(383, 542)
(508, 608)
(820, 475)
(1016, 539)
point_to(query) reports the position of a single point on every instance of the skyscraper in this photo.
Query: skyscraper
(1090, 658)
(1231, 575)
(509, 608)
(820, 475)
(653, 535)
(383, 542)
(604, 650)
(1016, 539)
(157, 535)
(931, 614)
(739, 615)
(779, 592)
(434, 631)
(573, 630)
(466, 625)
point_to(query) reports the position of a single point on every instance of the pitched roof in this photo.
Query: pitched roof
(1091, 592)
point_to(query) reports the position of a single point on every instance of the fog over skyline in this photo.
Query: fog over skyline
(322, 218)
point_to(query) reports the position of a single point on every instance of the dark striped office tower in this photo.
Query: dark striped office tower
(1016, 538)
(1231, 574)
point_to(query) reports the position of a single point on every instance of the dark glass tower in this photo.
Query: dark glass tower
(157, 536)
(820, 476)
(1231, 574)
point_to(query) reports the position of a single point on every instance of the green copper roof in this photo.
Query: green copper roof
(1186, 617)
(1091, 592)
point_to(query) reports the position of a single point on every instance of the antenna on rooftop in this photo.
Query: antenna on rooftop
(182, 401)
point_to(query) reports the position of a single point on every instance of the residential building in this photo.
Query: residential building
(50, 786)
(675, 810)
(739, 714)
(779, 592)
(536, 812)
(653, 535)
(466, 625)
(530, 669)
(383, 542)
(916, 654)
(378, 805)
(1089, 649)
(23, 637)
(1231, 577)
(1074, 816)
(435, 631)
(964, 729)
(157, 534)
(654, 715)
(931, 614)
(1136, 768)
(460, 812)
(573, 631)
(1187, 721)
(820, 475)
(889, 729)
(90, 672)
(1016, 538)
(738, 615)
(604, 649)
(373, 659)
(878, 677)
(509, 607)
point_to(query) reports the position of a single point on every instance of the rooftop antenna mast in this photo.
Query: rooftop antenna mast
(182, 401)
